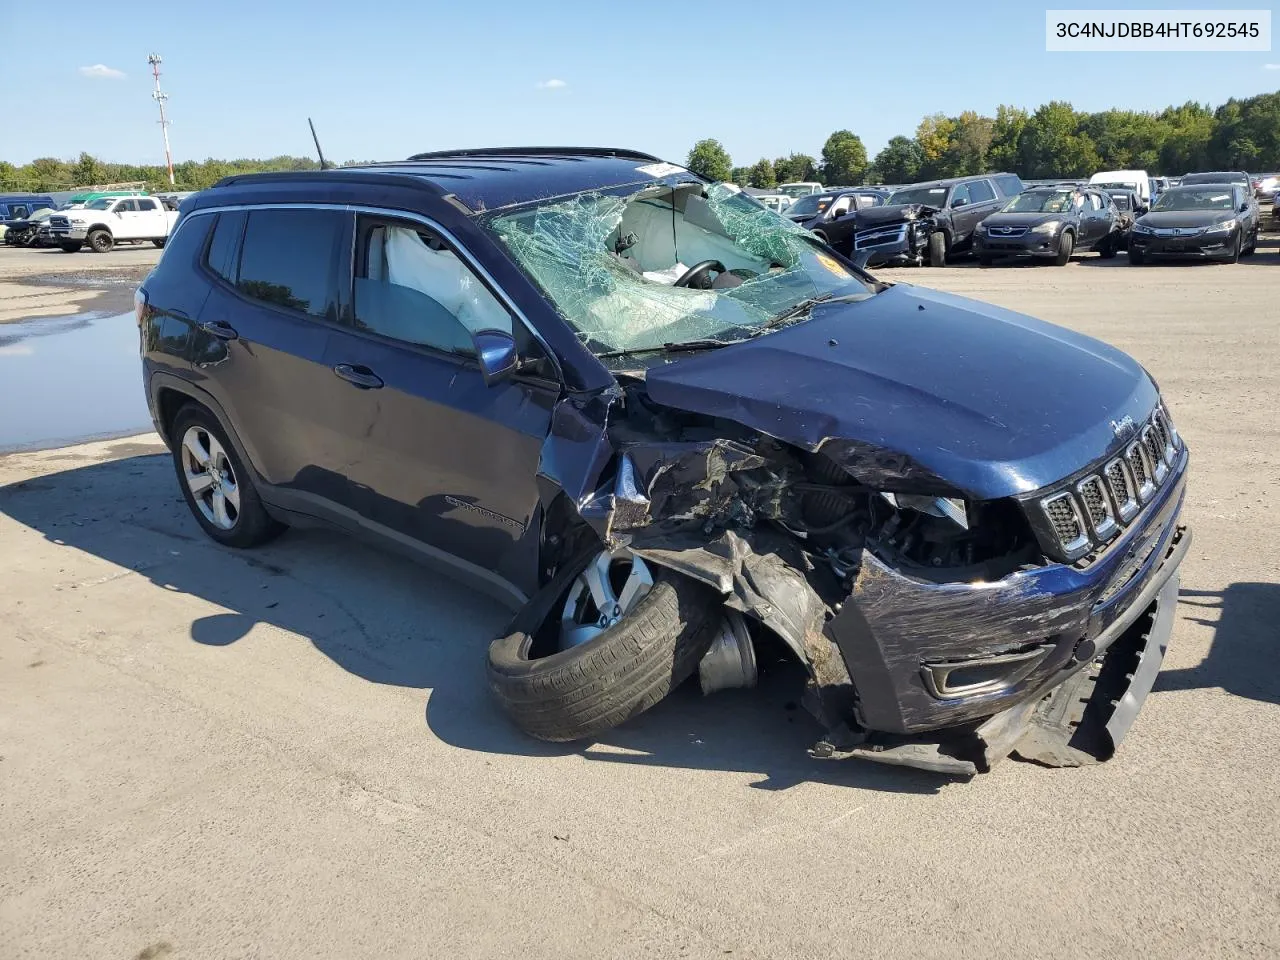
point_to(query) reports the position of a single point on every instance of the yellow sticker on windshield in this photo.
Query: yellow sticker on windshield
(831, 264)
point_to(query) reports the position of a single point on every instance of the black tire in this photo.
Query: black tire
(578, 693)
(1135, 257)
(71, 247)
(100, 241)
(822, 237)
(1235, 249)
(1253, 245)
(1108, 247)
(158, 244)
(937, 249)
(1066, 245)
(985, 260)
(253, 526)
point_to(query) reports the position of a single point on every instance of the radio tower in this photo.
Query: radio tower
(160, 97)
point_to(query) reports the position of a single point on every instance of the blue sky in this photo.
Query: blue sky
(387, 78)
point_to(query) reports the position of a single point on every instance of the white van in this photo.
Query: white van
(801, 188)
(1135, 180)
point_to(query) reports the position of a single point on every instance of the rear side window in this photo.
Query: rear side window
(225, 244)
(1010, 185)
(290, 258)
(980, 191)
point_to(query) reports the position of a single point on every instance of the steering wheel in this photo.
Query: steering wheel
(698, 271)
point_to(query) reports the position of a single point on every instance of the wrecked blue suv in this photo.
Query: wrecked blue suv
(665, 426)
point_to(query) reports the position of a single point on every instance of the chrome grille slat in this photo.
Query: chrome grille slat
(1094, 511)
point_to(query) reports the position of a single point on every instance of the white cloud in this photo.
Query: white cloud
(551, 84)
(100, 71)
(1271, 66)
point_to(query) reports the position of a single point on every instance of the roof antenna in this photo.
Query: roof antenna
(323, 165)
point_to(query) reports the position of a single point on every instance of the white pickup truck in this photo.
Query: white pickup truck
(104, 222)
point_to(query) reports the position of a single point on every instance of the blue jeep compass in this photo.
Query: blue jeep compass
(665, 425)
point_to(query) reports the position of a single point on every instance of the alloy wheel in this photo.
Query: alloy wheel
(605, 592)
(210, 478)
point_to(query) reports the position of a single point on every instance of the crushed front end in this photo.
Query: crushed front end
(935, 631)
(894, 235)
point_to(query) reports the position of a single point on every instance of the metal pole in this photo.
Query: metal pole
(160, 97)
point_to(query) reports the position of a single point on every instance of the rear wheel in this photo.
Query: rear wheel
(937, 249)
(1066, 245)
(100, 241)
(215, 484)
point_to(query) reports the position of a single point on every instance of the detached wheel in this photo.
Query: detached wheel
(626, 636)
(70, 247)
(937, 249)
(100, 241)
(1066, 245)
(215, 484)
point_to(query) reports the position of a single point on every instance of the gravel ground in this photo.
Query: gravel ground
(291, 752)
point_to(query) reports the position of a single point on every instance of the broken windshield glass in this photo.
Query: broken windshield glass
(669, 264)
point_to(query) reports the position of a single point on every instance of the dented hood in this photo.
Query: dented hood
(874, 216)
(916, 388)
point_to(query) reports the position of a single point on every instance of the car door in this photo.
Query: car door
(961, 210)
(260, 347)
(1092, 224)
(149, 220)
(122, 219)
(441, 458)
(983, 202)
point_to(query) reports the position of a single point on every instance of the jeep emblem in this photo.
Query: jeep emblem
(1124, 427)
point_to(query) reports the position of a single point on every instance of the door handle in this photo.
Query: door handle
(360, 375)
(220, 329)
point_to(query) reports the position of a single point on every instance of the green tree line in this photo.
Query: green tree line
(51, 174)
(1054, 140)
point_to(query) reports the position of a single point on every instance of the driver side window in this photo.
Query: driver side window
(961, 192)
(410, 286)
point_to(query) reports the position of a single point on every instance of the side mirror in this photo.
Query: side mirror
(496, 351)
(1244, 208)
(958, 202)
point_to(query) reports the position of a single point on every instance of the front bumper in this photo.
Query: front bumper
(897, 633)
(1212, 246)
(1027, 245)
(894, 243)
(73, 232)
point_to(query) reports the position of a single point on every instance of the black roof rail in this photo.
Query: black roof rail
(537, 151)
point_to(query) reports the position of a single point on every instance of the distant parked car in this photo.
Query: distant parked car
(801, 188)
(1227, 176)
(777, 202)
(926, 222)
(827, 214)
(1135, 180)
(105, 222)
(1264, 186)
(1051, 223)
(25, 233)
(1209, 221)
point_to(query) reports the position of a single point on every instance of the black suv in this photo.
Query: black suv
(830, 214)
(662, 422)
(926, 222)
(1052, 223)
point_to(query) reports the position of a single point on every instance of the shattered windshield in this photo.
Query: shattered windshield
(929, 196)
(1040, 201)
(670, 264)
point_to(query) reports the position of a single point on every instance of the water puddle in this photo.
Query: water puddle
(69, 379)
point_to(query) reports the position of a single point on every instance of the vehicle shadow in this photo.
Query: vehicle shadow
(392, 621)
(1243, 644)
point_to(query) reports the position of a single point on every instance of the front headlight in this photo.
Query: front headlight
(1049, 227)
(1142, 228)
(1225, 227)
